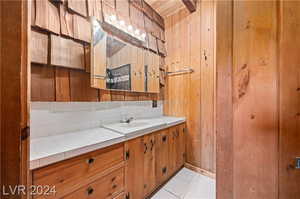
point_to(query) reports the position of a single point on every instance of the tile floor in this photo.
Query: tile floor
(188, 184)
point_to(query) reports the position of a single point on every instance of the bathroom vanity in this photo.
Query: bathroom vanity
(118, 160)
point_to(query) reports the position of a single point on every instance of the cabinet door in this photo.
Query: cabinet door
(181, 146)
(162, 156)
(149, 164)
(134, 168)
(173, 144)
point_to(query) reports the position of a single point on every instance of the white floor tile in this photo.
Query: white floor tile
(177, 186)
(163, 194)
(188, 184)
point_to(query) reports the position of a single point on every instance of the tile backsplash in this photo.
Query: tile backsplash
(53, 118)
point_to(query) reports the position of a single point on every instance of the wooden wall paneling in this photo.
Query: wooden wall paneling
(104, 95)
(117, 95)
(152, 43)
(148, 10)
(39, 47)
(158, 19)
(87, 58)
(32, 11)
(136, 17)
(156, 29)
(111, 3)
(62, 84)
(122, 9)
(161, 155)
(66, 21)
(224, 103)
(95, 9)
(140, 70)
(148, 25)
(78, 6)
(191, 5)
(14, 125)
(161, 48)
(255, 126)
(289, 96)
(47, 16)
(137, 3)
(82, 28)
(131, 96)
(207, 82)
(162, 34)
(80, 87)
(42, 83)
(107, 11)
(66, 53)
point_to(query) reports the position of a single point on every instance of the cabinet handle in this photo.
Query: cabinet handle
(146, 148)
(114, 186)
(91, 161)
(164, 138)
(164, 170)
(152, 144)
(90, 191)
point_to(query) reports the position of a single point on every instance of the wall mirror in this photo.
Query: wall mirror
(118, 65)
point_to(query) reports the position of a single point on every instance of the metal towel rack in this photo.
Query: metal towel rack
(182, 71)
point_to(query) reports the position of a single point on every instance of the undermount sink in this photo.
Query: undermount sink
(133, 124)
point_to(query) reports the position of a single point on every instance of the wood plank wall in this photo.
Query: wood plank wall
(261, 139)
(190, 43)
(56, 76)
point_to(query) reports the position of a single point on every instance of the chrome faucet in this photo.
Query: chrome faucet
(127, 120)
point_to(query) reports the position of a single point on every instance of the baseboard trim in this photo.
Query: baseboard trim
(201, 171)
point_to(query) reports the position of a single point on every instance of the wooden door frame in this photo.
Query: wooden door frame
(14, 124)
(224, 101)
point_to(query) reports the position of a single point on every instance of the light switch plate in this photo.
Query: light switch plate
(297, 162)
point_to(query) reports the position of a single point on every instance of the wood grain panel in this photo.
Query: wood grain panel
(289, 70)
(66, 21)
(95, 9)
(255, 126)
(39, 47)
(78, 6)
(81, 87)
(224, 105)
(82, 28)
(122, 9)
(62, 84)
(66, 53)
(42, 83)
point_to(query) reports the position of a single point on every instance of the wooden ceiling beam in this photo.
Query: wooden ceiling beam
(190, 5)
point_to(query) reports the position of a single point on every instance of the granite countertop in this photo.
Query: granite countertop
(51, 149)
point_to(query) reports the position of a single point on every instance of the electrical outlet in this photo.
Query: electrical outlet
(154, 103)
(298, 163)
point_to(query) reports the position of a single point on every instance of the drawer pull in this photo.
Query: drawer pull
(152, 144)
(146, 148)
(91, 161)
(164, 170)
(164, 138)
(114, 186)
(90, 191)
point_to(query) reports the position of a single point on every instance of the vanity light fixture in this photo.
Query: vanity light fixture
(129, 29)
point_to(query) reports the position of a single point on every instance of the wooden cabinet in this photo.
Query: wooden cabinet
(149, 164)
(162, 155)
(70, 175)
(133, 169)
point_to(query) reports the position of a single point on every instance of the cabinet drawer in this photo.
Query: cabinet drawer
(107, 187)
(72, 174)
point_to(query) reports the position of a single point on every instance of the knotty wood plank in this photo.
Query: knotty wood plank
(131, 96)
(39, 47)
(104, 95)
(190, 5)
(78, 6)
(255, 126)
(152, 43)
(117, 95)
(42, 83)
(62, 84)
(81, 87)
(161, 48)
(95, 9)
(122, 9)
(289, 90)
(136, 17)
(224, 106)
(66, 53)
